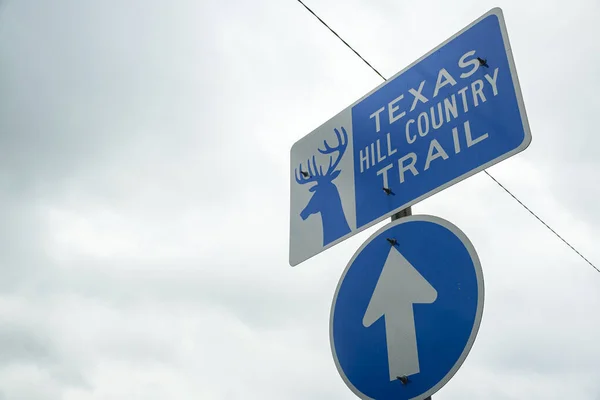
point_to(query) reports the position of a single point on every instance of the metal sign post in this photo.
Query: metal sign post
(405, 213)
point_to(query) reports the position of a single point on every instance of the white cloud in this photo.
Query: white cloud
(144, 198)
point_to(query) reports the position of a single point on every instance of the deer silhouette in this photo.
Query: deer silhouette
(326, 198)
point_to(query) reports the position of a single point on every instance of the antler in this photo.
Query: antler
(313, 172)
(341, 148)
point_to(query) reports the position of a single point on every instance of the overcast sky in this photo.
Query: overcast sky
(144, 197)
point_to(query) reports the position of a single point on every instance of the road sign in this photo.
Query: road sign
(449, 115)
(407, 309)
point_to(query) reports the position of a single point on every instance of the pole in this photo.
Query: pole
(403, 213)
(400, 214)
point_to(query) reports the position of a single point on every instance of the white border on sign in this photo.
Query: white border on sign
(497, 11)
(478, 314)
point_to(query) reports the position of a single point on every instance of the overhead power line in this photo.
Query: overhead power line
(486, 172)
(541, 220)
(343, 41)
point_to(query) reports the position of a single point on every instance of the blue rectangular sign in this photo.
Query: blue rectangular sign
(449, 115)
(453, 113)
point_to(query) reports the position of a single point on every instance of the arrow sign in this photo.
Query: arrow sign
(412, 309)
(399, 279)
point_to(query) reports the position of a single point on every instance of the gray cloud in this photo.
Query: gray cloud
(20, 344)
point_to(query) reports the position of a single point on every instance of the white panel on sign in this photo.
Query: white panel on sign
(322, 196)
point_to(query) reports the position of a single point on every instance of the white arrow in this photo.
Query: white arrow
(399, 286)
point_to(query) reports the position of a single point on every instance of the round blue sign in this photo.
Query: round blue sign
(407, 309)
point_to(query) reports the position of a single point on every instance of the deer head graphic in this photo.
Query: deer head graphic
(326, 198)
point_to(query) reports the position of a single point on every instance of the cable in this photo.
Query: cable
(487, 173)
(542, 221)
(343, 41)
